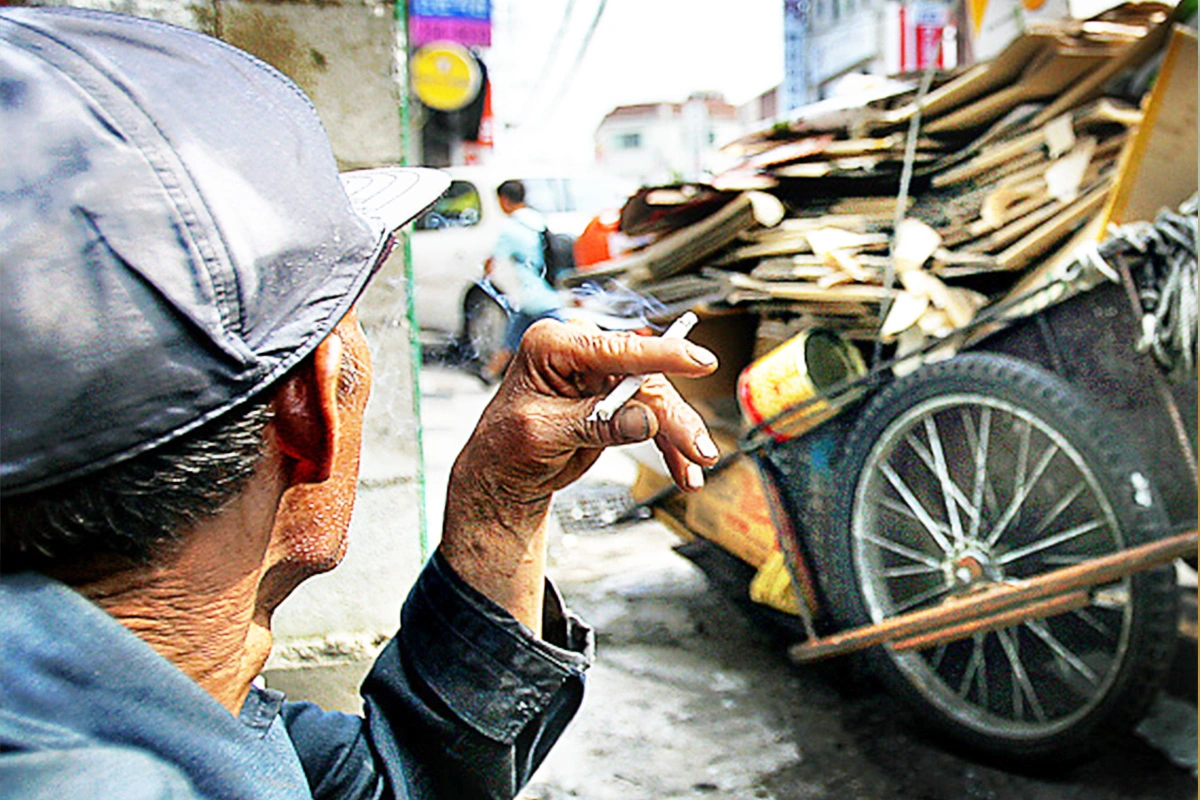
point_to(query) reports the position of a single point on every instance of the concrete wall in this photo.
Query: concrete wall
(343, 56)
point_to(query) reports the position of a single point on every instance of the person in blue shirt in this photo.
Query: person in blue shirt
(184, 380)
(517, 267)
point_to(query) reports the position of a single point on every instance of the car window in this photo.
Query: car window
(544, 194)
(459, 207)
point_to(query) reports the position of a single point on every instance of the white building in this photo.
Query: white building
(657, 143)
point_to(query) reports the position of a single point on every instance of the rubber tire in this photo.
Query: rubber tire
(485, 323)
(1152, 627)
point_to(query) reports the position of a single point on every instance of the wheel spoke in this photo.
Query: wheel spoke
(939, 653)
(905, 511)
(1022, 687)
(1065, 560)
(1058, 508)
(976, 666)
(1052, 541)
(916, 600)
(1023, 490)
(981, 487)
(904, 572)
(1092, 622)
(981, 640)
(954, 496)
(950, 491)
(914, 504)
(1039, 628)
(901, 550)
(1026, 434)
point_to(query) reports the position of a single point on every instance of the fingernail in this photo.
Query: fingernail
(701, 356)
(706, 446)
(632, 424)
(695, 476)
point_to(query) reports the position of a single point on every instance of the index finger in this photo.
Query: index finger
(572, 349)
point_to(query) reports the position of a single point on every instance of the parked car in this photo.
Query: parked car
(451, 241)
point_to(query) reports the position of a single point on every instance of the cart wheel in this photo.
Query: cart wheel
(983, 469)
(484, 325)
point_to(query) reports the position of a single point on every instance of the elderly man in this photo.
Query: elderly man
(183, 383)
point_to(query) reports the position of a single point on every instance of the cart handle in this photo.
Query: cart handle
(1000, 605)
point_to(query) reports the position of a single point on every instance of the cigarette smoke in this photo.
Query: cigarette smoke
(619, 302)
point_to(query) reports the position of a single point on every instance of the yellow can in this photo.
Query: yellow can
(797, 375)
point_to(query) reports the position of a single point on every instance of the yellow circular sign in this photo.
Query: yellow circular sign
(445, 76)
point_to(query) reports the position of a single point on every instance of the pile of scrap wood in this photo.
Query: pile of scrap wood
(897, 218)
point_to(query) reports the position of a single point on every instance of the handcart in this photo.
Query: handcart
(993, 534)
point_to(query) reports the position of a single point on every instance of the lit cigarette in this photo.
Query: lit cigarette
(628, 387)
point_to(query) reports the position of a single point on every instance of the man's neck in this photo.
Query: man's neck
(198, 608)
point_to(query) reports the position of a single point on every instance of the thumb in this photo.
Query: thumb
(633, 423)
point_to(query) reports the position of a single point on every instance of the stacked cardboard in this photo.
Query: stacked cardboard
(901, 235)
(899, 217)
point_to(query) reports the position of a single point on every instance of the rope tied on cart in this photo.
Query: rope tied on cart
(1160, 258)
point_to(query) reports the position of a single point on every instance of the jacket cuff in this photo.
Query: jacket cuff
(488, 668)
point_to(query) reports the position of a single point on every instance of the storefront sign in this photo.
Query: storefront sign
(922, 29)
(467, 22)
(471, 32)
(796, 89)
(459, 9)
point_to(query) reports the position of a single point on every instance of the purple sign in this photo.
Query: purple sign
(470, 32)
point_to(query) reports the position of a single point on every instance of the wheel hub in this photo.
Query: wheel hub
(970, 565)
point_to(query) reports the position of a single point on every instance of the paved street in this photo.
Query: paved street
(689, 698)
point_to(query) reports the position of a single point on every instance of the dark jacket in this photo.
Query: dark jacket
(464, 702)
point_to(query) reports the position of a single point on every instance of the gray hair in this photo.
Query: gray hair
(136, 507)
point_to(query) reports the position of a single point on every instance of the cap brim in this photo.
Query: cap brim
(391, 197)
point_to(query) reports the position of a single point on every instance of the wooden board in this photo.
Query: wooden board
(1159, 169)
(1046, 77)
(1043, 238)
(979, 80)
(1092, 85)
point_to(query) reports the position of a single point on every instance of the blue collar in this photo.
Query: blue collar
(76, 677)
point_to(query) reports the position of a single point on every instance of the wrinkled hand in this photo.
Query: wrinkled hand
(534, 437)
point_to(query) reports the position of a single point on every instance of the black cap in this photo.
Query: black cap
(174, 235)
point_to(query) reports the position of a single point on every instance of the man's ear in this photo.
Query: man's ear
(306, 413)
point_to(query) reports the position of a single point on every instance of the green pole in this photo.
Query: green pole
(414, 338)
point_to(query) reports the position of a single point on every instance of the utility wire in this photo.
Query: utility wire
(551, 54)
(583, 47)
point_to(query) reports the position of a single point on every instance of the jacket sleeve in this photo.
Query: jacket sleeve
(465, 702)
